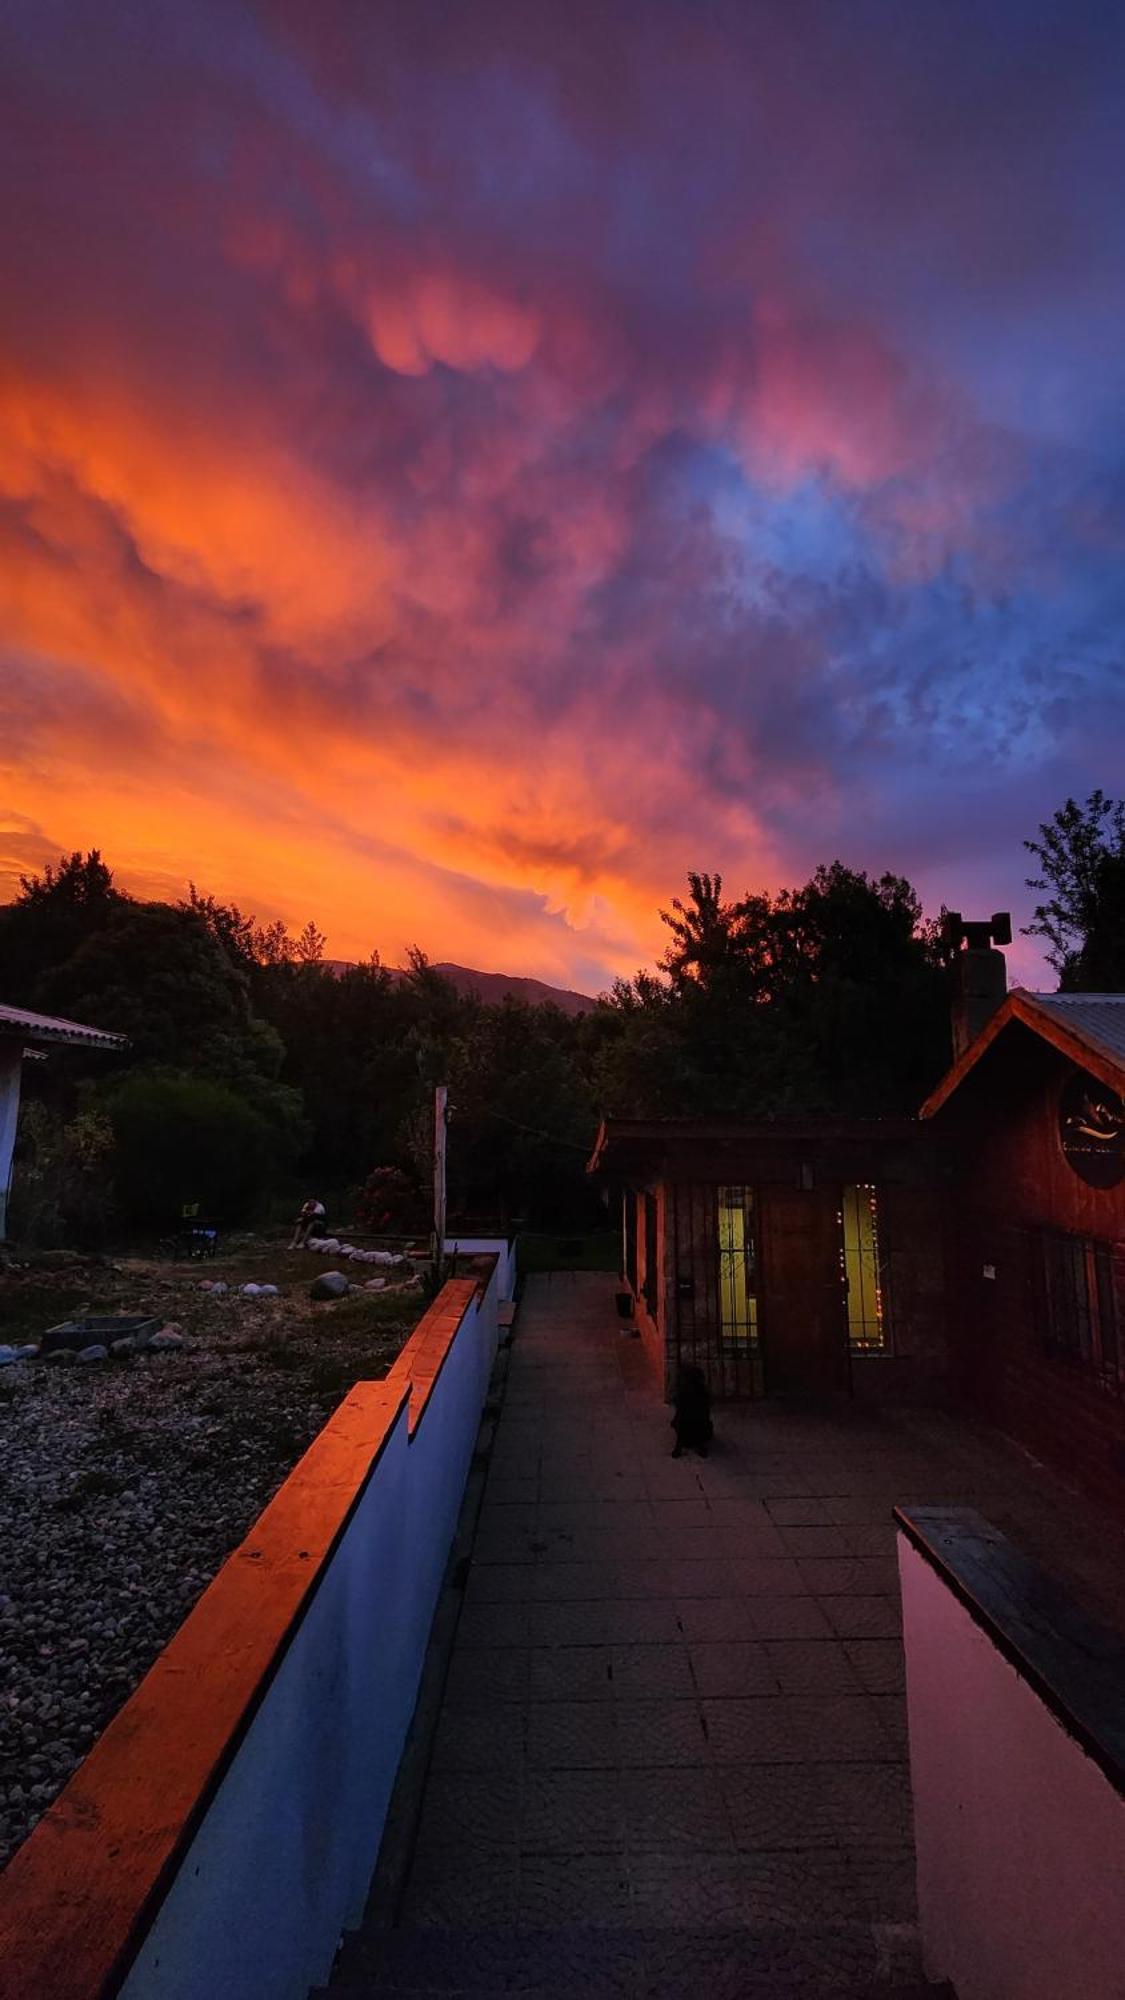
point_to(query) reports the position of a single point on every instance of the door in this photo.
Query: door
(804, 1325)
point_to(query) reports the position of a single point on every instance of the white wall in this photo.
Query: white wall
(497, 1246)
(1020, 1836)
(281, 1863)
(11, 1059)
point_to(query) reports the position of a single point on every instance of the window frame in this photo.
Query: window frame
(1079, 1320)
(864, 1348)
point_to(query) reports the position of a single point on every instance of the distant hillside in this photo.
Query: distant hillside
(495, 986)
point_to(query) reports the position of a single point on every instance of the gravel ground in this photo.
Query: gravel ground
(124, 1484)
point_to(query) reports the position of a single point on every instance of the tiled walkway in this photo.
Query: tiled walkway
(675, 1704)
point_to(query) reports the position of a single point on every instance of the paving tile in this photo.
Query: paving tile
(571, 1623)
(796, 1729)
(564, 1889)
(499, 1583)
(811, 1666)
(669, 1810)
(643, 1621)
(710, 1618)
(891, 1711)
(887, 1883)
(797, 1512)
(648, 1672)
(769, 1893)
(734, 1577)
(478, 1675)
(655, 1733)
(863, 1617)
(853, 1509)
(814, 1540)
(508, 1490)
(732, 1667)
(480, 1739)
(561, 1580)
(853, 1576)
(460, 1811)
(572, 1812)
(462, 1891)
(490, 1625)
(729, 1962)
(818, 1805)
(873, 1538)
(879, 1664)
(572, 1673)
(571, 1735)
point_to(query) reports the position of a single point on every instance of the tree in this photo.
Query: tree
(186, 1139)
(53, 914)
(1081, 856)
(826, 998)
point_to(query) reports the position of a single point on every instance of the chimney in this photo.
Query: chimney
(980, 976)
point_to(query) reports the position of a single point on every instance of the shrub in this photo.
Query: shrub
(389, 1203)
(181, 1139)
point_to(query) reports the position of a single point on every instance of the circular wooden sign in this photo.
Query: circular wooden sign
(1092, 1130)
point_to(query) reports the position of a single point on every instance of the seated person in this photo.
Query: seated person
(310, 1222)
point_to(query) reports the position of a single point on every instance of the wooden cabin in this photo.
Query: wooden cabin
(1033, 1120)
(797, 1260)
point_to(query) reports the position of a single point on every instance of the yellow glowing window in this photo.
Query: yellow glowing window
(861, 1270)
(738, 1280)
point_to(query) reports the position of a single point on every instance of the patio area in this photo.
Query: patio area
(672, 1757)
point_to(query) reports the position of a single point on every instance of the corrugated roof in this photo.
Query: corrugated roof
(53, 1028)
(1098, 1017)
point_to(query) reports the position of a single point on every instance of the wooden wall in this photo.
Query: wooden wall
(1011, 1181)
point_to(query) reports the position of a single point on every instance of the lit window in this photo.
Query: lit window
(738, 1268)
(861, 1270)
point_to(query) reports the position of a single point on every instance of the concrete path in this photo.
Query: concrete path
(672, 1753)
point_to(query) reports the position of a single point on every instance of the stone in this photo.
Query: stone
(375, 1285)
(268, 1292)
(7, 1356)
(329, 1285)
(219, 1285)
(60, 1357)
(95, 1352)
(125, 1346)
(168, 1341)
(250, 1291)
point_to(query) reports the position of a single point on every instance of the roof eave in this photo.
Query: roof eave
(1021, 1006)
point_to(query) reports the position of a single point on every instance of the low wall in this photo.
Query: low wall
(1016, 1709)
(500, 1247)
(222, 1832)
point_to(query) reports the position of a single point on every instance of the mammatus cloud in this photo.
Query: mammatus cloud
(457, 474)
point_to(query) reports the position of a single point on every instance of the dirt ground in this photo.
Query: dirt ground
(124, 1484)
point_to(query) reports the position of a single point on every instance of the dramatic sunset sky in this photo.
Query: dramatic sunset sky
(462, 465)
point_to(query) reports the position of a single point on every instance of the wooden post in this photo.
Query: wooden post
(441, 1126)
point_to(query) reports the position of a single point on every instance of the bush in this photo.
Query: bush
(63, 1190)
(183, 1139)
(389, 1204)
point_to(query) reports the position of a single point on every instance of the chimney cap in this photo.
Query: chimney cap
(976, 936)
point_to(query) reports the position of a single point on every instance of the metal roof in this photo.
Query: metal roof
(1098, 1017)
(53, 1028)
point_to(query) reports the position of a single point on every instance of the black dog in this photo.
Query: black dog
(691, 1420)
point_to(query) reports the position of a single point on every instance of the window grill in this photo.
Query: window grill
(1080, 1307)
(738, 1270)
(861, 1272)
